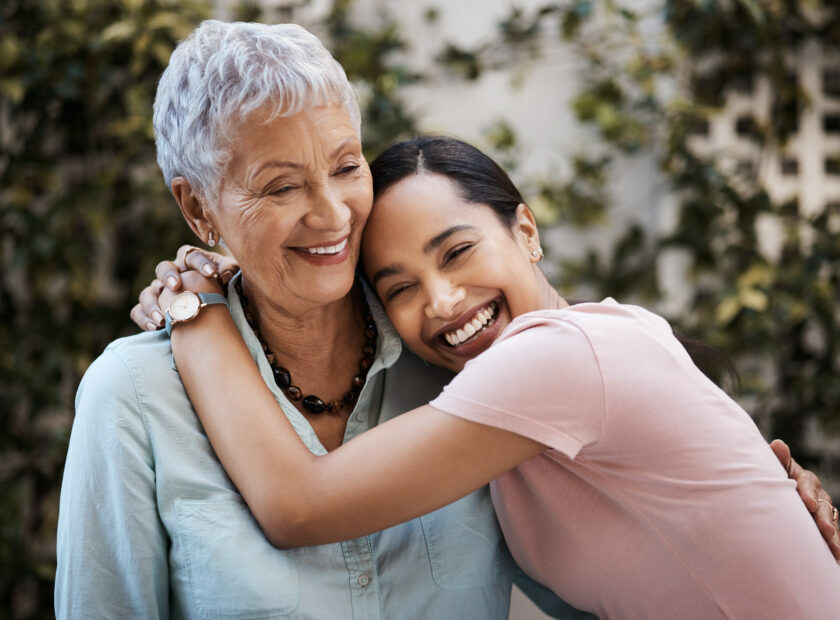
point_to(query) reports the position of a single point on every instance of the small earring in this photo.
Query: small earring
(537, 254)
(210, 241)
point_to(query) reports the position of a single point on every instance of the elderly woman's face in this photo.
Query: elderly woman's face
(293, 202)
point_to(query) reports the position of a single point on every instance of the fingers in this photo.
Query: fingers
(168, 273)
(828, 526)
(782, 452)
(150, 303)
(143, 321)
(807, 485)
(202, 261)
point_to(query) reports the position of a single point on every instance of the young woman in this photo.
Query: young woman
(623, 478)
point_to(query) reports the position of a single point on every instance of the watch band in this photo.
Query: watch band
(206, 299)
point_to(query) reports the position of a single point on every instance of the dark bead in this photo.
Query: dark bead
(365, 364)
(369, 349)
(313, 404)
(334, 406)
(349, 397)
(358, 381)
(370, 333)
(371, 325)
(270, 357)
(282, 377)
(294, 393)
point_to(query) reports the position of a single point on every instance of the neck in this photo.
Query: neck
(550, 298)
(313, 342)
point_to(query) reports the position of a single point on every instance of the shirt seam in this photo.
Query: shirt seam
(600, 376)
(141, 409)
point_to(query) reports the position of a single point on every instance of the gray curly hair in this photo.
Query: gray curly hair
(221, 73)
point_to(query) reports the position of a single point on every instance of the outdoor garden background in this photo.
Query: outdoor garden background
(712, 108)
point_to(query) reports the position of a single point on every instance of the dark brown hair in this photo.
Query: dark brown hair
(480, 180)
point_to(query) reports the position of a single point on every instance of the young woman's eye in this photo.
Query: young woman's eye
(397, 290)
(456, 252)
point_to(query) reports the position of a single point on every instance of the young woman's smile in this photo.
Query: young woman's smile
(450, 274)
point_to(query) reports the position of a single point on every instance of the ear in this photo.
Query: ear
(192, 208)
(525, 228)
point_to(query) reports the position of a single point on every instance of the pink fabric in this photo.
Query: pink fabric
(658, 497)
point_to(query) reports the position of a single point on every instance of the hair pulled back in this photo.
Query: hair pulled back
(478, 178)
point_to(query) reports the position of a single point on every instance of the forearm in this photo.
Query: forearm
(249, 431)
(416, 463)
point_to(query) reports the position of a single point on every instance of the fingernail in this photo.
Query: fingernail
(158, 317)
(171, 282)
(151, 326)
(207, 269)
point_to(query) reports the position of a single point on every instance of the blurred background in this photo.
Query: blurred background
(680, 154)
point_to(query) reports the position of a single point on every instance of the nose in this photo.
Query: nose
(328, 210)
(443, 299)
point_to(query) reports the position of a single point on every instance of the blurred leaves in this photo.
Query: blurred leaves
(83, 214)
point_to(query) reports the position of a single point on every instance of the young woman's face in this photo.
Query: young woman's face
(450, 274)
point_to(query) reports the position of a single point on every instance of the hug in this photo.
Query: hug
(301, 447)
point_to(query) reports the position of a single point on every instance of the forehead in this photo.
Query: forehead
(425, 201)
(315, 132)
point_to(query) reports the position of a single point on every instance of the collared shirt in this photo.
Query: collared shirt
(150, 525)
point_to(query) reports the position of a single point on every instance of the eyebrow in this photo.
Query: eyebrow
(296, 166)
(431, 245)
(390, 270)
(342, 145)
(435, 241)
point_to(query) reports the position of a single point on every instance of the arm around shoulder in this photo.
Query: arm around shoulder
(111, 544)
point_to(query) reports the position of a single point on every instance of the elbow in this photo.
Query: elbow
(287, 527)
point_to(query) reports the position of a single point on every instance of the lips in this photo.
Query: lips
(326, 249)
(473, 327)
(329, 253)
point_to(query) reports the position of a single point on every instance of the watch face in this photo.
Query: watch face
(184, 306)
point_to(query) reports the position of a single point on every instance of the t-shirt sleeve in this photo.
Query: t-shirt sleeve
(541, 380)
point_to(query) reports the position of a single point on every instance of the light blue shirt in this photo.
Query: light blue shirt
(150, 526)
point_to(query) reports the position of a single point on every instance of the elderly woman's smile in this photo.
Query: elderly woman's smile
(295, 197)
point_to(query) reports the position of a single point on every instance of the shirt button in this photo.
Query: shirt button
(360, 416)
(363, 580)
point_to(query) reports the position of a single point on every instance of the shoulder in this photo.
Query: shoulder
(546, 337)
(122, 379)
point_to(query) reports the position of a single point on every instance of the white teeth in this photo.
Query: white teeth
(471, 328)
(327, 249)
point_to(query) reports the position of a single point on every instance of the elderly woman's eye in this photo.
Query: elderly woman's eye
(282, 190)
(348, 169)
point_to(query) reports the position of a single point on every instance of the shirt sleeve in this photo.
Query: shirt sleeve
(541, 379)
(111, 544)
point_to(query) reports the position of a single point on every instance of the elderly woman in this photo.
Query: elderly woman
(257, 132)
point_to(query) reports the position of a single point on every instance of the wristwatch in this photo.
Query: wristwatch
(185, 307)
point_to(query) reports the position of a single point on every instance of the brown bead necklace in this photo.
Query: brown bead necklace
(283, 378)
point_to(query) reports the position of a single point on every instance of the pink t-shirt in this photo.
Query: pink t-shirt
(657, 497)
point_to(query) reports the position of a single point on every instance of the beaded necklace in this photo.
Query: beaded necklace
(283, 378)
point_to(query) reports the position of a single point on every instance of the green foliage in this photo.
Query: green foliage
(84, 214)
(775, 315)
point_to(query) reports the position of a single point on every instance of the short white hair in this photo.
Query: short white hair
(221, 73)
